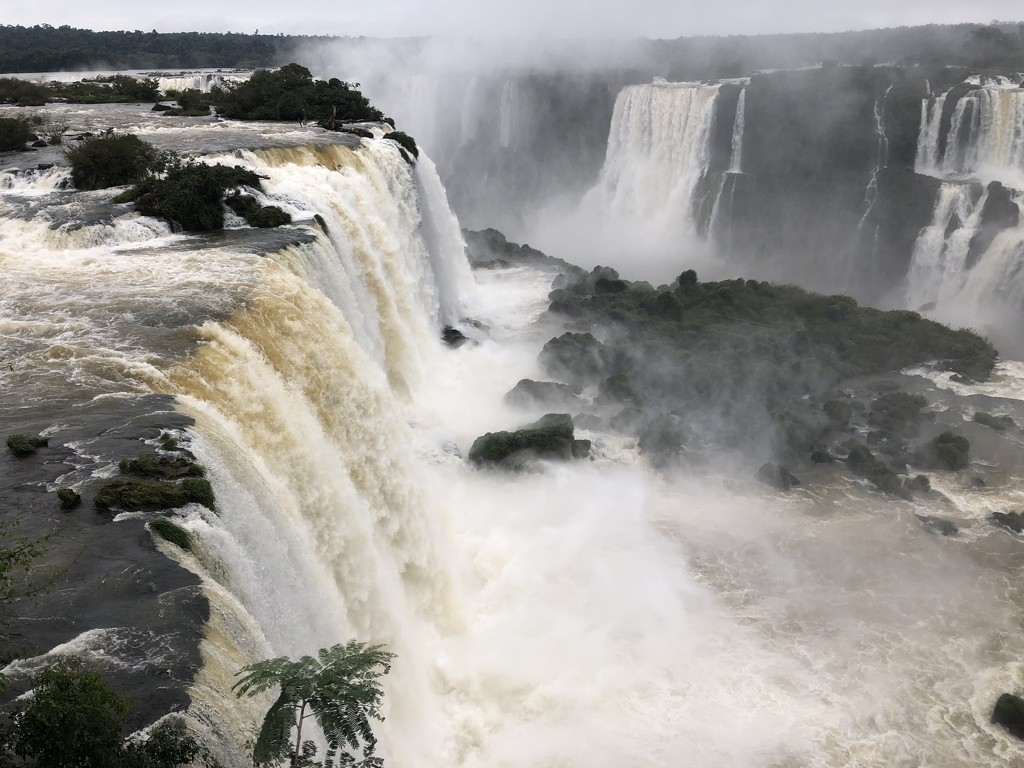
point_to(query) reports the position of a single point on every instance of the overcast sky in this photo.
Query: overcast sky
(558, 18)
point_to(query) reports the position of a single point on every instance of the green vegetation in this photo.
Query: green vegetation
(340, 689)
(110, 160)
(155, 465)
(863, 463)
(74, 720)
(263, 217)
(191, 103)
(291, 93)
(148, 495)
(23, 446)
(405, 141)
(172, 532)
(69, 499)
(189, 193)
(15, 133)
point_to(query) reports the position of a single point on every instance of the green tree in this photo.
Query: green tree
(340, 689)
(74, 720)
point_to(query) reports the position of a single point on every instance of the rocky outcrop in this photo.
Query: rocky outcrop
(551, 438)
(1009, 713)
(777, 477)
(531, 394)
(999, 213)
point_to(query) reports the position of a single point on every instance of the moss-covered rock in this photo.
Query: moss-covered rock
(22, 445)
(777, 477)
(1013, 521)
(576, 357)
(862, 462)
(69, 499)
(549, 438)
(161, 466)
(939, 525)
(255, 215)
(172, 532)
(405, 141)
(947, 451)
(998, 423)
(149, 495)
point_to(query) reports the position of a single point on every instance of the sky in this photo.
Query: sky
(517, 18)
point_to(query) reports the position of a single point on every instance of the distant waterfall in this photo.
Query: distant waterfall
(985, 136)
(736, 161)
(198, 82)
(658, 149)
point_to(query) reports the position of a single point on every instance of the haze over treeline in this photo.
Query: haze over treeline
(44, 48)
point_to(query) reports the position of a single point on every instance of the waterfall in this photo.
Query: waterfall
(199, 82)
(736, 161)
(640, 216)
(985, 137)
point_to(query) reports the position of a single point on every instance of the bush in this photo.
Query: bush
(154, 465)
(15, 133)
(110, 160)
(998, 423)
(22, 445)
(264, 217)
(190, 194)
(151, 495)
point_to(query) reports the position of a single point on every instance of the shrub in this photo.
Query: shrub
(172, 532)
(110, 160)
(15, 133)
(151, 495)
(22, 445)
(264, 217)
(947, 451)
(189, 194)
(153, 465)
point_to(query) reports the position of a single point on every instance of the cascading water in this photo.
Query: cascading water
(639, 217)
(984, 143)
(199, 82)
(736, 160)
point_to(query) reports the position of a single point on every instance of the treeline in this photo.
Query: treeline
(44, 48)
(997, 46)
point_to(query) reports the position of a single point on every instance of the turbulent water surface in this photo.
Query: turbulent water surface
(594, 614)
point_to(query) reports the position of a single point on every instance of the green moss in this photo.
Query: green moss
(551, 437)
(168, 442)
(23, 446)
(154, 465)
(172, 532)
(69, 499)
(149, 495)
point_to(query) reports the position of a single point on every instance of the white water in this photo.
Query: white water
(202, 81)
(738, 127)
(639, 217)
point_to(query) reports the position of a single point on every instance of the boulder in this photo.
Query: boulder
(998, 423)
(938, 525)
(530, 394)
(947, 451)
(1013, 521)
(22, 445)
(453, 337)
(548, 438)
(1009, 713)
(777, 477)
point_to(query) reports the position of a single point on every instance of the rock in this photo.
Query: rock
(1009, 713)
(588, 421)
(575, 357)
(38, 144)
(158, 466)
(581, 449)
(839, 413)
(862, 462)
(23, 446)
(549, 438)
(777, 477)
(161, 108)
(1013, 521)
(977, 482)
(69, 499)
(938, 525)
(616, 389)
(453, 337)
(998, 423)
(947, 451)
(919, 484)
(999, 213)
(530, 394)
(144, 494)
(821, 455)
(360, 132)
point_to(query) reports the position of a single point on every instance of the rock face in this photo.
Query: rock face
(1009, 713)
(529, 394)
(549, 438)
(999, 213)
